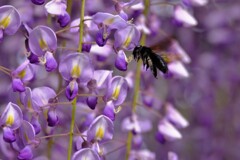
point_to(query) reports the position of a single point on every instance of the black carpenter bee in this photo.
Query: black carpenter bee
(150, 59)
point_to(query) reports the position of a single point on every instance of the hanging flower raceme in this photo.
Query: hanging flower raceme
(43, 42)
(106, 23)
(23, 74)
(86, 153)
(100, 130)
(9, 20)
(76, 69)
(10, 120)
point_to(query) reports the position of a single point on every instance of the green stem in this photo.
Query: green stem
(136, 85)
(81, 25)
(74, 106)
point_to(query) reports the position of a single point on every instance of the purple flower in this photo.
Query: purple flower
(25, 153)
(109, 110)
(177, 69)
(64, 19)
(12, 116)
(42, 42)
(8, 135)
(52, 117)
(168, 131)
(76, 68)
(101, 129)
(85, 153)
(26, 132)
(42, 96)
(9, 20)
(121, 61)
(172, 156)
(117, 90)
(136, 125)
(195, 2)
(175, 117)
(56, 7)
(127, 37)
(38, 2)
(144, 154)
(183, 16)
(23, 74)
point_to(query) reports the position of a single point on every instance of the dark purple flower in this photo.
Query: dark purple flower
(52, 118)
(17, 85)
(25, 153)
(71, 90)
(92, 102)
(64, 19)
(38, 2)
(8, 135)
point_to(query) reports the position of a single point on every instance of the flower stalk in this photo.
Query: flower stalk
(136, 86)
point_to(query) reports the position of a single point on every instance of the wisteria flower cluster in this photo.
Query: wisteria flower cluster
(71, 87)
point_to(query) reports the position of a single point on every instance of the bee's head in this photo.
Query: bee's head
(137, 49)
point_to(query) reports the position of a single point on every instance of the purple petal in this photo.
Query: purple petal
(25, 153)
(9, 19)
(92, 102)
(26, 132)
(52, 118)
(109, 110)
(38, 2)
(56, 7)
(12, 116)
(42, 39)
(77, 66)
(17, 85)
(51, 62)
(71, 90)
(121, 61)
(64, 19)
(8, 135)
(127, 38)
(86, 152)
(101, 129)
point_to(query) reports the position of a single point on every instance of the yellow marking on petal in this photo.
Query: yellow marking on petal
(127, 41)
(5, 22)
(26, 137)
(10, 120)
(116, 92)
(42, 43)
(29, 104)
(22, 73)
(109, 21)
(76, 71)
(99, 133)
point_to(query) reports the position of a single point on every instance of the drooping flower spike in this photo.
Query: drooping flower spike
(43, 42)
(9, 20)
